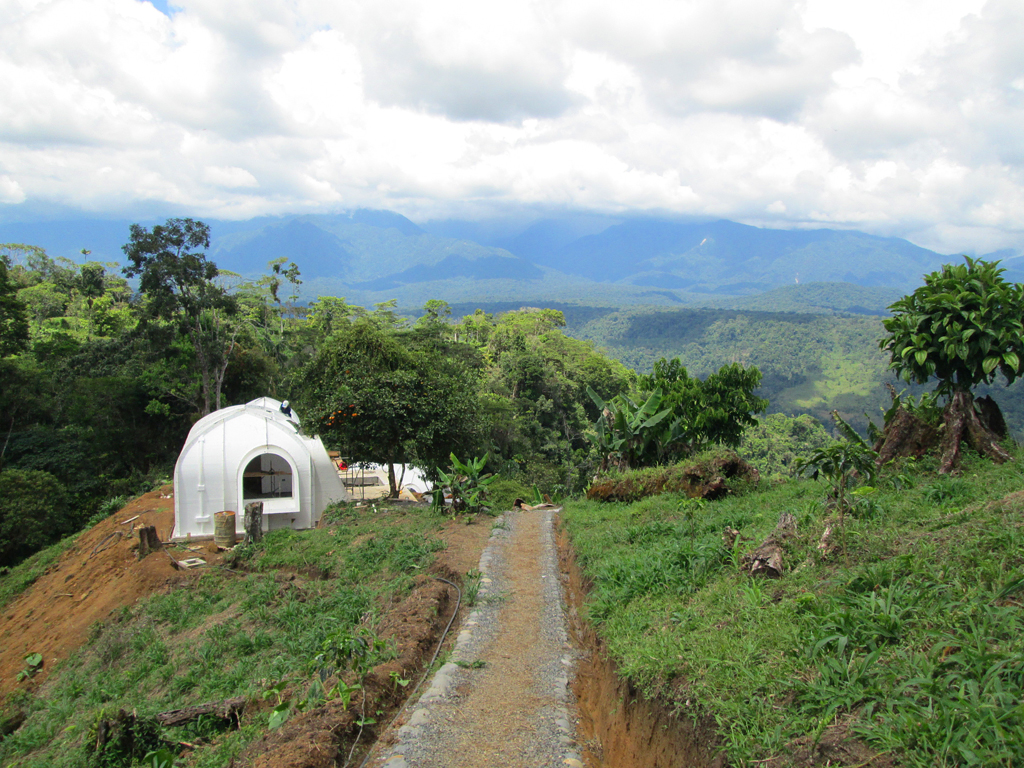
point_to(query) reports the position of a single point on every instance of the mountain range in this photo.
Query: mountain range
(370, 256)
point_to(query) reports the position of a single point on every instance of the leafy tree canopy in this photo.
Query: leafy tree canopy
(961, 327)
(13, 318)
(376, 399)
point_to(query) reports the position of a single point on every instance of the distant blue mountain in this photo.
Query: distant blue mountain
(318, 252)
(372, 252)
(723, 253)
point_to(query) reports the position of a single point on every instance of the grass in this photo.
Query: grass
(228, 634)
(911, 648)
(23, 575)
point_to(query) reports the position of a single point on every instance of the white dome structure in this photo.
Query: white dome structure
(252, 452)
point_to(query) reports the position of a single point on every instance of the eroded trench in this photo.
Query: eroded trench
(618, 727)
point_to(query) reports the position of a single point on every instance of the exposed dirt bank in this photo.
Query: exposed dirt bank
(98, 575)
(618, 727)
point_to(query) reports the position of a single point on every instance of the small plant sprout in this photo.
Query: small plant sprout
(33, 663)
(839, 464)
(471, 587)
(690, 508)
(398, 681)
(279, 714)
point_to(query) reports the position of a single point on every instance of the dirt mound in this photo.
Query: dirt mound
(705, 479)
(98, 575)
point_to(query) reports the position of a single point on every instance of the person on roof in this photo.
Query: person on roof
(286, 409)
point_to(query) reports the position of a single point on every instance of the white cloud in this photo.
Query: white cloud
(898, 116)
(229, 177)
(10, 191)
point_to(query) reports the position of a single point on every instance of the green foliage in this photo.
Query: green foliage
(774, 444)
(33, 513)
(680, 416)
(379, 400)
(177, 281)
(503, 492)
(468, 483)
(627, 434)
(840, 464)
(15, 580)
(961, 327)
(13, 317)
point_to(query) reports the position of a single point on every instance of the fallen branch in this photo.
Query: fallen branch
(100, 547)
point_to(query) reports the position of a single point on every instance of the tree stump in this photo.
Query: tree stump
(905, 435)
(253, 522)
(962, 423)
(148, 541)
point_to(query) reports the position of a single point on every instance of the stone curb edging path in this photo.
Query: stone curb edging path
(516, 709)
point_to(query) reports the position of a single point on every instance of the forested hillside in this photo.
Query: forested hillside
(102, 382)
(810, 363)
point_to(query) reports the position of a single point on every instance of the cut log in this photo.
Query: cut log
(766, 560)
(229, 709)
(148, 541)
(253, 522)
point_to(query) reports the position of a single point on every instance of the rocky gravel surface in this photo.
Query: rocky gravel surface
(503, 698)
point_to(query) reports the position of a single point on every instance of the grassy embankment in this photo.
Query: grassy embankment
(225, 634)
(912, 643)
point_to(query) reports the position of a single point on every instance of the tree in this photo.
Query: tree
(178, 282)
(378, 400)
(962, 327)
(13, 317)
(678, 415)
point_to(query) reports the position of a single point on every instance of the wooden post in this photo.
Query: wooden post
(253, 522)
(148, 540)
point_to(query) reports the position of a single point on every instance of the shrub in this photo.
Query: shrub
(34, 512)
(503, 493)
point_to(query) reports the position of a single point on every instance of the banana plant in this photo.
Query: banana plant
(468, 483)
(626, 430)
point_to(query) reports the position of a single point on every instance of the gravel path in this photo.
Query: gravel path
(515, 710)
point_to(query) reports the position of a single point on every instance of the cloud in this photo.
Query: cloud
(229, 177)
(749, 57)
(464, 59)
(898, 116)
(10, 191)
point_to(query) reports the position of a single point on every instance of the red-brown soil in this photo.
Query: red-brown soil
(98, 575)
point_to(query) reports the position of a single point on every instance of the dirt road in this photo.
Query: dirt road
(503, 697)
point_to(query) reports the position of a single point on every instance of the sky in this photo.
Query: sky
(896, 117)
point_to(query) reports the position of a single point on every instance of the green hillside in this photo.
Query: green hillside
(899, 642)
(811, 363)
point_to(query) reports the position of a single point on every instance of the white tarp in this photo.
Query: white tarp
(252, 452)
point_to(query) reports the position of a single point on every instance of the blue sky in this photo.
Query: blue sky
(899, 117)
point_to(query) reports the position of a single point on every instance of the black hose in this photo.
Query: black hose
(458, 604)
